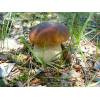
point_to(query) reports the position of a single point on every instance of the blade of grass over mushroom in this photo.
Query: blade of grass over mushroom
(23, 40)
(47, 38)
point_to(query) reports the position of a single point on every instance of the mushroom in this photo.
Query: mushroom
(47, 39)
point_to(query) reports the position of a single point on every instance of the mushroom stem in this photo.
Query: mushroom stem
(47, 54)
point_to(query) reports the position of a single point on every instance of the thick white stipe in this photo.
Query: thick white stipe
(47, 54)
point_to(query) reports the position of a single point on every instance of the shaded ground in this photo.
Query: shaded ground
(72, 70)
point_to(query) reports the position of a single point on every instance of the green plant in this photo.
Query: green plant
(23, 40)
(6, 26)
(77, 23)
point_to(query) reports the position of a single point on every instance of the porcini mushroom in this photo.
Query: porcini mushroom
(47, 38)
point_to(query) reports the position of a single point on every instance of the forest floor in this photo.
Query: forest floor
(79, 65)
(77, 69)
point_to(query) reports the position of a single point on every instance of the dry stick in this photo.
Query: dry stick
(29, 77)
(30, 68)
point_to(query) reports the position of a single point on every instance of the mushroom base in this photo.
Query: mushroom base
(48, 54)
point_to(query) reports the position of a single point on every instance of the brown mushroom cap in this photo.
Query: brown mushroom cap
(48, 34)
